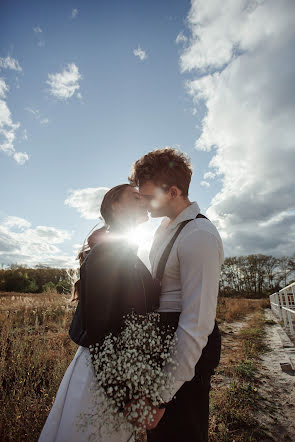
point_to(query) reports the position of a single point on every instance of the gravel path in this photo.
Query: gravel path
(276, 387)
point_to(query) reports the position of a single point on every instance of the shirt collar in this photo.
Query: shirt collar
(189, 212)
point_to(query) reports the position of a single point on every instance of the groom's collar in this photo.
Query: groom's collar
(189, 212)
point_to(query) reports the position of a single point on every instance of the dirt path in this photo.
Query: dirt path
(276, 387)
(229, 347)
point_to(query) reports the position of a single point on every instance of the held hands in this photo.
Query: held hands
(148, 424)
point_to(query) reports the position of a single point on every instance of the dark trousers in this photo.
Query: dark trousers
(186, 417)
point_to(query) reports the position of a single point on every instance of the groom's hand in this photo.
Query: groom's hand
(157, 416)
(148, 424)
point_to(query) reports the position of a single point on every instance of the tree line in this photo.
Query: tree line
(34, 280)
(256, 276)
(252, 276)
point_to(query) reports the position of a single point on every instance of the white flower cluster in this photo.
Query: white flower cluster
(129, 369)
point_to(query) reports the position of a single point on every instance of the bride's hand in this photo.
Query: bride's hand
(147, 424)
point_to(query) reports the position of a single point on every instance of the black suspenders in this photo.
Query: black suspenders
(166, 253)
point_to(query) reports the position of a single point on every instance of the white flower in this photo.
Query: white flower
(130, 366)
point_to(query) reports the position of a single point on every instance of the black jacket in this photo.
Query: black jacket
(113, 282)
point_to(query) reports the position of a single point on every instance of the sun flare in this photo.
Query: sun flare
(141, 236)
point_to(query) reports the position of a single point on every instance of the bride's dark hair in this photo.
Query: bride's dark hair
(113, 195)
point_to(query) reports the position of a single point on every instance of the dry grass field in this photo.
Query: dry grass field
(35, 351)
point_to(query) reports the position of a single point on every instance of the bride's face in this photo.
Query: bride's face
(131, 208)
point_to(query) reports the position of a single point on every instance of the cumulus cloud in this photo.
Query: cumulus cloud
(209, 175)
(140, 53)
(74, 13)
(10, 63)
(205, 184)
(16, 222)
(87, 201)
(65, 84)
(20, 243)
(8, 128)
(37, 30)
(3, 88)
(181, 38)
(21, 157)
(241, 56)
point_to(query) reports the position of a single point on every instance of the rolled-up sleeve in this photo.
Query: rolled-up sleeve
(200, 264)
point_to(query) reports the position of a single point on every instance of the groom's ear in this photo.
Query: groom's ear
(174, 192)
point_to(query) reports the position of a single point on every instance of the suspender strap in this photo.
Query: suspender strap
(166, 253)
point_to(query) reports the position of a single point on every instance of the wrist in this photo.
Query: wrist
(163, 405)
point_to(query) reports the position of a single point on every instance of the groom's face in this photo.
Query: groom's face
(156, 199)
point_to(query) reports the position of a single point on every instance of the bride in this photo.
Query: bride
(113, 282)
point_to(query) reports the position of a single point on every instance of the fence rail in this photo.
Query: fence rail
(283, 305)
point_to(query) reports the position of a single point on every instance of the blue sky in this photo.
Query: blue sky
(88, 87)
(127, 106)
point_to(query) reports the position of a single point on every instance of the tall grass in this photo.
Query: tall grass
(35, 351)
(232, 309)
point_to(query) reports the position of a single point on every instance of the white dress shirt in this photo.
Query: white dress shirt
(190, 285)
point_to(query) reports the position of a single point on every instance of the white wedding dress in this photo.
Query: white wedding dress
(74, 397)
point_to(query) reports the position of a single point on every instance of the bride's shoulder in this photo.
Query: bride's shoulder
(106, 252)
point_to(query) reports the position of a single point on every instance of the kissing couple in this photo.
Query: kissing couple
(182, 287)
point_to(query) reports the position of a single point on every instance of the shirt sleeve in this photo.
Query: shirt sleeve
(199, 263)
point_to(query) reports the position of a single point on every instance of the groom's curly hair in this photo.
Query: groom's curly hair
(165, 168)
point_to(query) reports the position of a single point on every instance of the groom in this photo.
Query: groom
(189, 292)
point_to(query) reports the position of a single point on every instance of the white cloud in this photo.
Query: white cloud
(209, 175)
(39, 36)
(25, 135)
(74, 13)
(205, 184)
(37, 30)
(35, 112)
(10, 63)
(21, 157)
(16, 222)
(8, 128)
(87, 201)
(76, 247)
(22, 244)
(37, 115)
(55, 236)
(242, 57)
(140, 53)
(181, 38)
(3, 88)
(63, 85)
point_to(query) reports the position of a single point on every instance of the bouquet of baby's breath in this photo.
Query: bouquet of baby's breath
(128, 368)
